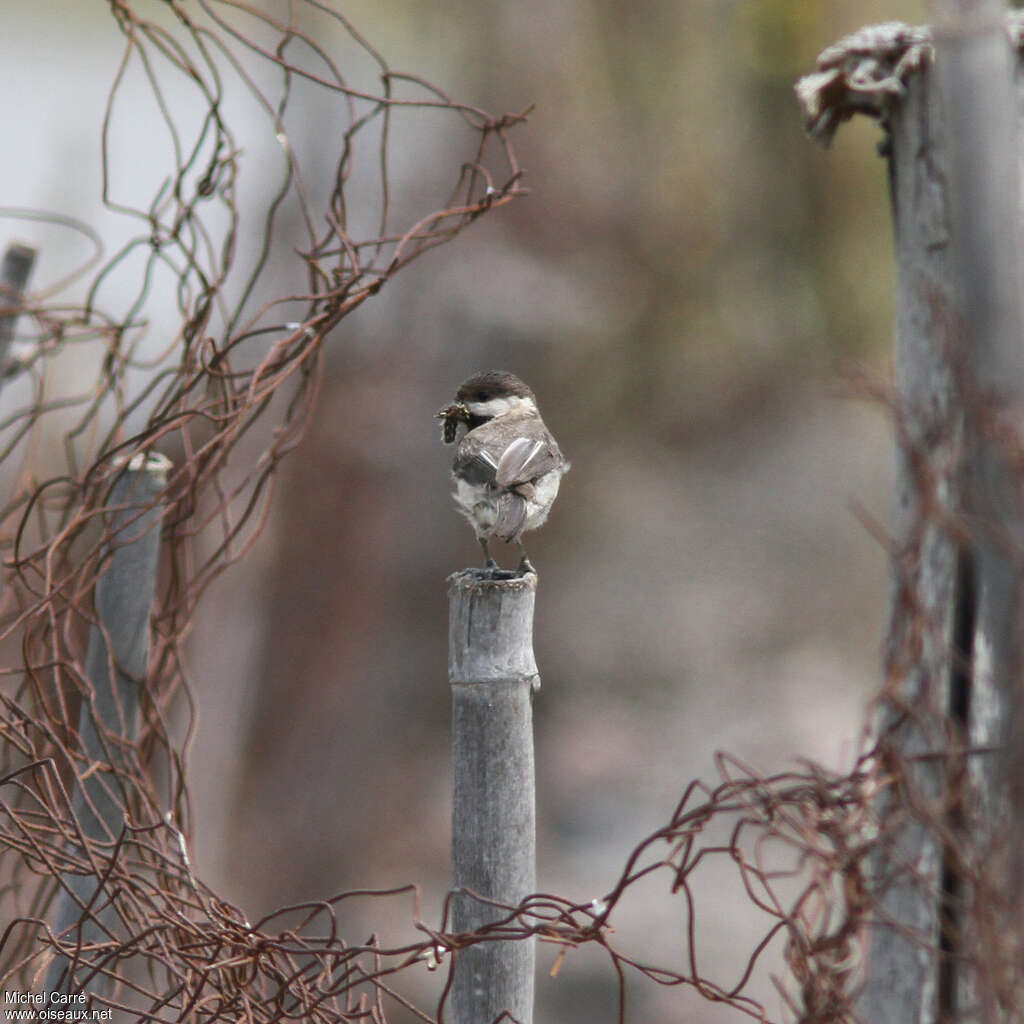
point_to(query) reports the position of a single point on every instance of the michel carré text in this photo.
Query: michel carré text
(42, 998)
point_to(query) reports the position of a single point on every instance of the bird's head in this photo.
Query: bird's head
(494, 393)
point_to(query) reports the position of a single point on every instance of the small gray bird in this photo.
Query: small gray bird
(507, 466)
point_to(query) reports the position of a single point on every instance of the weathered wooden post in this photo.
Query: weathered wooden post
(946, 97)
(15, 271)
(975, 68)
(116, 664)
(493, 677)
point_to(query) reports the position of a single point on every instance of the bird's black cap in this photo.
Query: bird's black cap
(492, 384)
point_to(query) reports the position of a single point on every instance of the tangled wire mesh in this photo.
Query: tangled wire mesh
(816, 853)
(225, 394)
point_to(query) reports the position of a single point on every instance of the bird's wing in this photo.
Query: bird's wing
(527, 456)
(507, 457)
(475, 460)
(522, 460)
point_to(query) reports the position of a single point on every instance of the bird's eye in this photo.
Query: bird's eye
(483, 396)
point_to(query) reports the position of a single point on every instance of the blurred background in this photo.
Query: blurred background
(691, 289)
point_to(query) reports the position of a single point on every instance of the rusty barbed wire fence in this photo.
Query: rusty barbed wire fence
(225, 394)
(195, 351)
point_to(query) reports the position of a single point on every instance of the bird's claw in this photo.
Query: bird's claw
(493, 573)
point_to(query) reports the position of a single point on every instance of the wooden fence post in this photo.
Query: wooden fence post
(493, 677)
(17, 267)
(947, 100)
(975, 68)
(116, 665)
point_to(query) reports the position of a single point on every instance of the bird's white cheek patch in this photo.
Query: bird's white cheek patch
(489, 409)
(499, 406)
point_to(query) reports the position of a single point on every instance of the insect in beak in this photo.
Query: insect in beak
(452, 415)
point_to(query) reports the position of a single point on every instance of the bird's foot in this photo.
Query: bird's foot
(493, 572)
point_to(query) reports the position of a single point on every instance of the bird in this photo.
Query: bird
(507, 467)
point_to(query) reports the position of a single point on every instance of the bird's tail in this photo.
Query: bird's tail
(511, 517)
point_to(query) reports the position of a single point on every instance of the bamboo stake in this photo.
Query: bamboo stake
(493, 677)
(116, 665)
(15, 271)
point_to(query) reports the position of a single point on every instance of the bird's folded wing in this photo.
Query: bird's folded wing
(525, 459)
(474, 462)
(507, 460)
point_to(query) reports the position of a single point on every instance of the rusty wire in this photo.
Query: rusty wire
(805, 845)
(193, 348)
